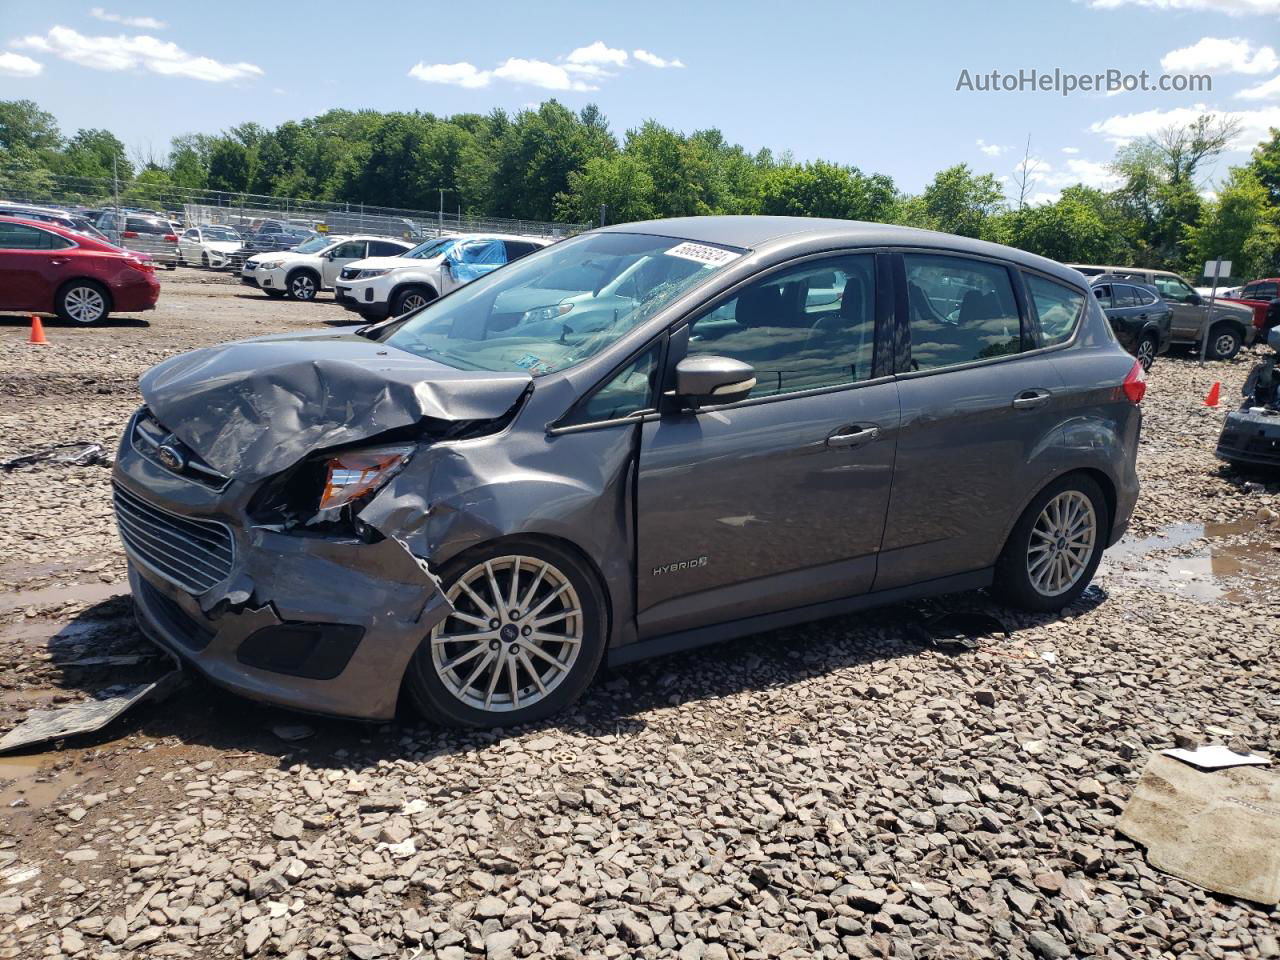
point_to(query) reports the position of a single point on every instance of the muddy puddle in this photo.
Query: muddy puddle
(83, 593)
(29, 784)
(1214, 561)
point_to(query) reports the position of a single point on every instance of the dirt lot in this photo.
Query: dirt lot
(838, 789)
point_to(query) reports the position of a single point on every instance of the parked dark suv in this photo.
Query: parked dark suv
(764, 421)
(1140, 318)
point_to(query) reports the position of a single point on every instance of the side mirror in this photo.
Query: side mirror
(702, 380)
(1195, 300)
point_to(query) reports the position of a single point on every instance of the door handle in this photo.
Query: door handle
(854, 436)
(1142, 316)
(1030, 399)
(57, 262)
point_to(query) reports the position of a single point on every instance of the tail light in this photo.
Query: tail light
(129, 235)
(170, 238)
(1135, 384)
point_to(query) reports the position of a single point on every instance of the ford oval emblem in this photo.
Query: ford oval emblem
(172, 457)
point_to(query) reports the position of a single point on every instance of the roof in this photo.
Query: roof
(755, 233)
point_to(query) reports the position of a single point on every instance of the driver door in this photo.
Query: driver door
(779, 500)
(339, 257)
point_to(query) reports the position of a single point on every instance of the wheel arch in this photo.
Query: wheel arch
(405, 285)
(1106, 483)
(302, 268)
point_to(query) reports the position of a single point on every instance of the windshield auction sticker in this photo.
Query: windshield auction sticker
(701, 253)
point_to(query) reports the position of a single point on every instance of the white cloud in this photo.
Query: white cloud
(597, 54)
(142, 23)
(455, 74)
(991, 149)
(653, 60)
(16, 65)
(1122, 128)
(1268, 90)
(1070, 149)
(1234, 55)
(539, 73)
(128, 53)
(1232, 8)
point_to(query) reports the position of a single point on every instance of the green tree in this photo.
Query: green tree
(620, 182)
(95, 153)
(23, 125)
(1074, 228)
(822, 189)
(1265, 163)
(961, 202)
(1240, 226)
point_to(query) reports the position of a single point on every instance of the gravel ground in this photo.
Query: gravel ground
(837, 789)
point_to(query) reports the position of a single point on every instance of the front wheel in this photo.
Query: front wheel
(1055, 546)
(1224, 342)
(1146, 351)
(406, 301)
(525, 637)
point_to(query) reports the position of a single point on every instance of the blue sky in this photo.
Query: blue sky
(865, 83)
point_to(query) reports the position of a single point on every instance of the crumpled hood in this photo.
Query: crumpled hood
(255, 407)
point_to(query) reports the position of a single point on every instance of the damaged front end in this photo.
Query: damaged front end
(1251, 435)
(243, 493)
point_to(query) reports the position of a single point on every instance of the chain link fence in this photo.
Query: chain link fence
(246, 212)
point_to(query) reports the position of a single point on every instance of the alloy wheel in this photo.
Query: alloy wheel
(1224, 344)
(302, 287)
(515, 632)
(1146, 352)
(412, 302)
(1062, 543)
(85, 304)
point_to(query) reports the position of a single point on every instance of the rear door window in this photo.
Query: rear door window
(1123, 295)
(1057, 306)
(960, 310)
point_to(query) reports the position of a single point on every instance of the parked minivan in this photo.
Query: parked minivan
(767, 420)
(1230, 327)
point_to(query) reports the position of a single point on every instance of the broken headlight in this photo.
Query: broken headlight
(354, 474)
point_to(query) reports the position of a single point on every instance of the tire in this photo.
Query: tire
(1026, 575)
(182, 261)
(302, 285)
(411, 298)
(1145, 350)
(273, 294)
(441, 681)
(204, 260)
(1224, 342)
(83, 301)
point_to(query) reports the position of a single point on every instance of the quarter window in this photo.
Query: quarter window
(960, 311)
(1058, 308)
(805, 327)
(629, 391)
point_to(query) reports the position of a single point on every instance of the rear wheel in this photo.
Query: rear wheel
(1055, 546)
(302, 285)
(1146, 350)
(1224, 342)
(525, 637)
(83, 301)
(411, 299)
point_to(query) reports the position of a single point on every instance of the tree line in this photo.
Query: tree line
(551, 163)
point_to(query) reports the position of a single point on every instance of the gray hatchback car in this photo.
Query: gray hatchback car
(642, 439)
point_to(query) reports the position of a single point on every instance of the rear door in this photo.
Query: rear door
(332, 263)
(977, 405)
(777, 501)
(33, 264)
(1189, 312)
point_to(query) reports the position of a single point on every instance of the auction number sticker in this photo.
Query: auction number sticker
(701, 253)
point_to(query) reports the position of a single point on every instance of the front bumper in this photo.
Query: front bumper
(270, 279)
(314, 623)
(1250, 437)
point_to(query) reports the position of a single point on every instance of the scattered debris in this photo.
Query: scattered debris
(63, 454)
(1216, 757)
(1219, 830)
(291, 732)
(960, 630)
(88, 716)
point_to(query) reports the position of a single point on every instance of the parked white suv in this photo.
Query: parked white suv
(301, 274)
(390, 286)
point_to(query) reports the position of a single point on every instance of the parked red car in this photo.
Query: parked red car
(45, 268)
(1263, 297)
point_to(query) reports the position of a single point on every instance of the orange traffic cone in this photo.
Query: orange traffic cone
(1211, 400)
(37, 330)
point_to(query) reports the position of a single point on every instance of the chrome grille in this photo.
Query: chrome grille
(191, 554)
